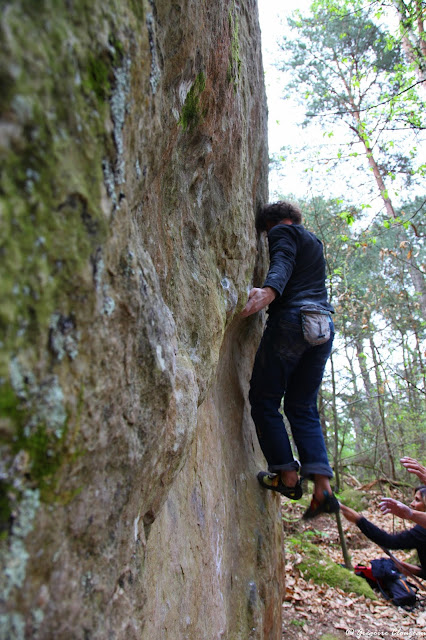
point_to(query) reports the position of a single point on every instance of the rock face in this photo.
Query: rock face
(133, 157)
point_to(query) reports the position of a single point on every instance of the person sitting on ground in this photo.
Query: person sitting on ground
(389, 505)
(414, 538)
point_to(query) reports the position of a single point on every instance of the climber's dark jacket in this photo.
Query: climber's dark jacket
(297, 268)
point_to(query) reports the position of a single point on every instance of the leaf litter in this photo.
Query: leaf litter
(322, 612)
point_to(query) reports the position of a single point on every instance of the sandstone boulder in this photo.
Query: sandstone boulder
(133, 157)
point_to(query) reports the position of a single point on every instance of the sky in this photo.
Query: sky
(284, 112)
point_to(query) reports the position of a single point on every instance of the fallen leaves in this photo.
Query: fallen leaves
(315, 610)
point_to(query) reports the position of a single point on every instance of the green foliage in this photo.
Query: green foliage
(338, 53)
(344, 73)
(349, 68)
(297, 623)
(411, 31)
(370, 287)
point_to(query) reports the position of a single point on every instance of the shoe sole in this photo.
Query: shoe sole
(293, 493)
(322, 509)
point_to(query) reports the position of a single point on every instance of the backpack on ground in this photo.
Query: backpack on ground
(367, 574)
(393, 585)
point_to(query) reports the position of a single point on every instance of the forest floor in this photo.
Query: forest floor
(322, 612)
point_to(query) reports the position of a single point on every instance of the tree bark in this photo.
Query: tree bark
(415, 48)
(346, 556)
(380, 404)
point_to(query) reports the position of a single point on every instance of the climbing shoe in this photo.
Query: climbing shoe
(330, 504)
(273, 482)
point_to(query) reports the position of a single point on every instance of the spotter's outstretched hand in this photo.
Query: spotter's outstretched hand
(389, 505)
(413, 466)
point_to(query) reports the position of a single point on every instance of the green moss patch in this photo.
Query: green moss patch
(318, 567)
(51, 169)
(353, 499)
(44, 452)
(234, 66)
(98, 77)
(191, 114)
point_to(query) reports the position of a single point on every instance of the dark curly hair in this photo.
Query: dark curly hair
(276, 212)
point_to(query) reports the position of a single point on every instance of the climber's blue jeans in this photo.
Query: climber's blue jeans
(286, 365)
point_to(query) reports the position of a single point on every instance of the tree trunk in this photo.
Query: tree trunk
(346, 556)
(370, 394)
(415, 48)
(380, 403)
(417, 276)
(356, 421)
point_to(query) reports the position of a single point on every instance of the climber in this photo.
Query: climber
(291, 358)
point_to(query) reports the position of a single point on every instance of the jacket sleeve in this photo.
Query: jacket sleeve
(405, 540)
(282, 255)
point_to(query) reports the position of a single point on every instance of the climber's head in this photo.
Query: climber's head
(272, 214)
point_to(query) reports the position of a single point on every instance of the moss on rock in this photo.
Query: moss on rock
(57, 87)
(234, 66)
(56, 103)
(191, 114)
(353, 498)
(114, 328)
(317, 566)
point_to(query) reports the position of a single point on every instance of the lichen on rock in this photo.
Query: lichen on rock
(133, 157)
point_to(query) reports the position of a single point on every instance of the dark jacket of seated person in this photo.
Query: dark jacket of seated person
(414, 538)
